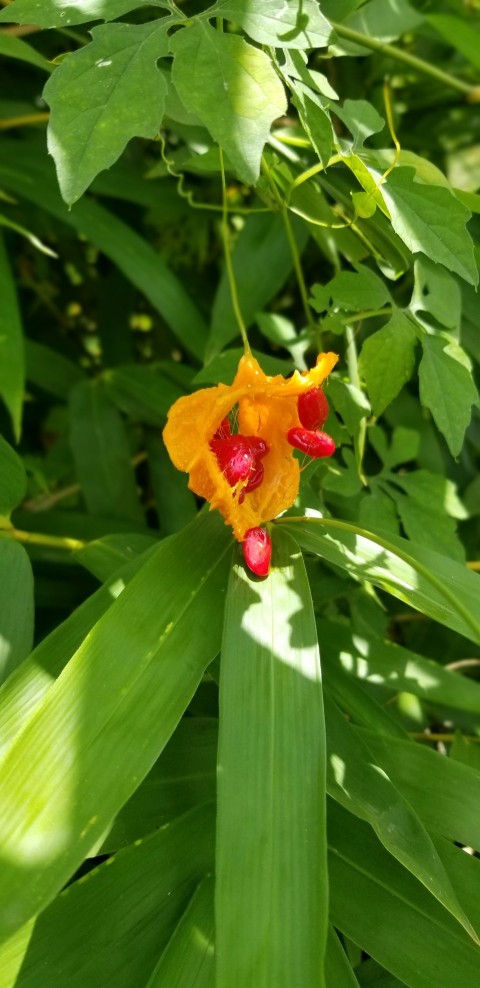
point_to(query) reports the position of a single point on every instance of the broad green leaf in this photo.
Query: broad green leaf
(232, 87)
(460, 34)
(385, 20)
(144, 393)
(262, 260)
(282, 332)
(349, 402)
(13, 482)
(436, 292)
(377, 510)
(431, 220)
(12, 47)
(12, 371)
(103, 723)
(315, 122)
(387, 360)
(384, 663)
(447, 388)
(102, 454)
(184, 776)
(101, 96)
(140, 263)
(361, 118)
(278, 23)
(64, 13)
(356, 782)
(352, 290)
(426, 526)
(27, 686)
(175, 504)
(404, 445)
(370, 180)
(125, 910)
(443, 792)
(271, 905)
(372, 897)
(188, 958)
(50, 370)
(351, 696)
(16, 606)
(427, 581)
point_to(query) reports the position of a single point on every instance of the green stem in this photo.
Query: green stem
(352, 363)
(366, 314)
(39, 538)
(228, 260)
(427, 68)
(427, 574)
(300, 279)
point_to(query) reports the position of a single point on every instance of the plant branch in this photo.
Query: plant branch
(39, 538)
(228, 259)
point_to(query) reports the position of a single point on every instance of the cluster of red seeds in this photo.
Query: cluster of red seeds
(239, 458)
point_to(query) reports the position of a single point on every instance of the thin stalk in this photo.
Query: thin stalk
(228, 260)
(352, 364)
(39, 538)
(426, 68)
(26, 120)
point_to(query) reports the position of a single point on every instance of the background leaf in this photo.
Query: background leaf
(232, 88)
(13, 482)
(62, 13)
(387, 361)
(272, 22)
(16, 606)
(447, 388)
(12, 370)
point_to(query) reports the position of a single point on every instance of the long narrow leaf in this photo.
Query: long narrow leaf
(271, 897)
(104, 722)
(188, 961)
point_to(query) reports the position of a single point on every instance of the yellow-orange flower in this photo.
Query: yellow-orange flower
(267, 408)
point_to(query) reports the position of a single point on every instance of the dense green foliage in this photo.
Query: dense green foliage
(207, 780)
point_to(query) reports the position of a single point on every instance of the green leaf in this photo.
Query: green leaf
(12, 47)
(430, 219)
(102, 454)
(352, 290)
(262, 246)
(460, 34)
(125, 910)
(12, 371)
(427, 523)
(233, 88)
(224, 366)
(276, 23)
(140, 263)
(13, 482)
(387, 360)
(427, 581)
(372, 897)
(315, 122)
(103, 95)
(16, 606)
(271, 906)
(28, 685)
(361, 118)
(64, 13)
(447, 388)
(50, 370)
(103, 723)
(175, 503)
(436, 293)
(395, 668)
(355, 782)
(184, 776)
(385, 20)
(144, 393)
(104, 557)
(349, 402)
(337, 968)
(188, 961)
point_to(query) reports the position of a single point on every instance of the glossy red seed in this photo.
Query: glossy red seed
(234, 457)
(254, 481)
(312, 408)
(257, 550)
(314, 444)
(259, 446)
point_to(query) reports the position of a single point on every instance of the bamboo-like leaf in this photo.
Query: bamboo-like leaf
(27, 686)
(16, 606)
(155, 876)
(188, 961)
(429, 582)
(372, 899)
(13, 482)
(272, 893)
(338, 971)
(368, 792)
(102, 725)
(12, 370)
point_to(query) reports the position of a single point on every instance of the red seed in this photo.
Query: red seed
(234, 457)
(255, 479)
(257, 550)
(312, 408)
(314, 444)
(259, 446)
